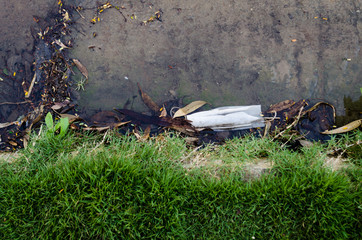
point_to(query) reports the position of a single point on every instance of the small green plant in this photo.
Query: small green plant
(80, 84)
(52, 128)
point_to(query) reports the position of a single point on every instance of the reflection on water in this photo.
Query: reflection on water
(353, 111)
(229, 53)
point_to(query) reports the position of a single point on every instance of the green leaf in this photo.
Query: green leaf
(64, 124)
(361, 90)
(6, 72)
(49, 121)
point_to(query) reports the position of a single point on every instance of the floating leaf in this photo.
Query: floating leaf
(81, 68)
(345, 128)
(148, 100)
(189, 108)
(6, 72)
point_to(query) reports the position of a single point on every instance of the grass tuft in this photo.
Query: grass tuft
(116, 187)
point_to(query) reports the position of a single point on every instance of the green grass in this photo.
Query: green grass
(116, 187)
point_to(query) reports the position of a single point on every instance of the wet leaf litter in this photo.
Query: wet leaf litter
(50, 91)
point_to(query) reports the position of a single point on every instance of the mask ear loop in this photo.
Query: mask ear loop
(173, 111)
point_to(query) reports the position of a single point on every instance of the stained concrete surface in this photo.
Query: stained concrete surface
(225, 52)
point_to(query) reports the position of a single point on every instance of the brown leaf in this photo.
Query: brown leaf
(189, 108)
(148, 100)
(81, 68)
(13, 143)
(163, 112)
(345, 128)
(100, 129)
(145, 136)
(281, 106)
(71, 118)
(60, 105)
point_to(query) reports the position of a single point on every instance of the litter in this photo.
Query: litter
(228, 118)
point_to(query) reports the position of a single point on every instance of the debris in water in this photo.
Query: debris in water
(81, 68)
(345, 128)
(189, 108)
(148, 100)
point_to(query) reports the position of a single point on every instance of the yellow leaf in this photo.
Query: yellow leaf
(189, 108)
(345, 128)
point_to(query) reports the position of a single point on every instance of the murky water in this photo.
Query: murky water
(16, 51)
(224, 52)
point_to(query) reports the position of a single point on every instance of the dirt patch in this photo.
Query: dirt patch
(335, 163)
(8, 157)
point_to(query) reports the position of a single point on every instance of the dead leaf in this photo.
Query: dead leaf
(191, 140)
(148, 100)
(281, 106)
(100, 129)
(163, 111)
(345, 128)
(66, 17)
(81, 68)
(7, 124)
(12, 143)
(26, 140)
(267, 128)
(189, 108)
(59, 105)
(305, 143)
(60, 44)
(145, 136)
(71, 118)
(317, 105)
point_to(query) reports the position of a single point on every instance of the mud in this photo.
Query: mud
(226, 52)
